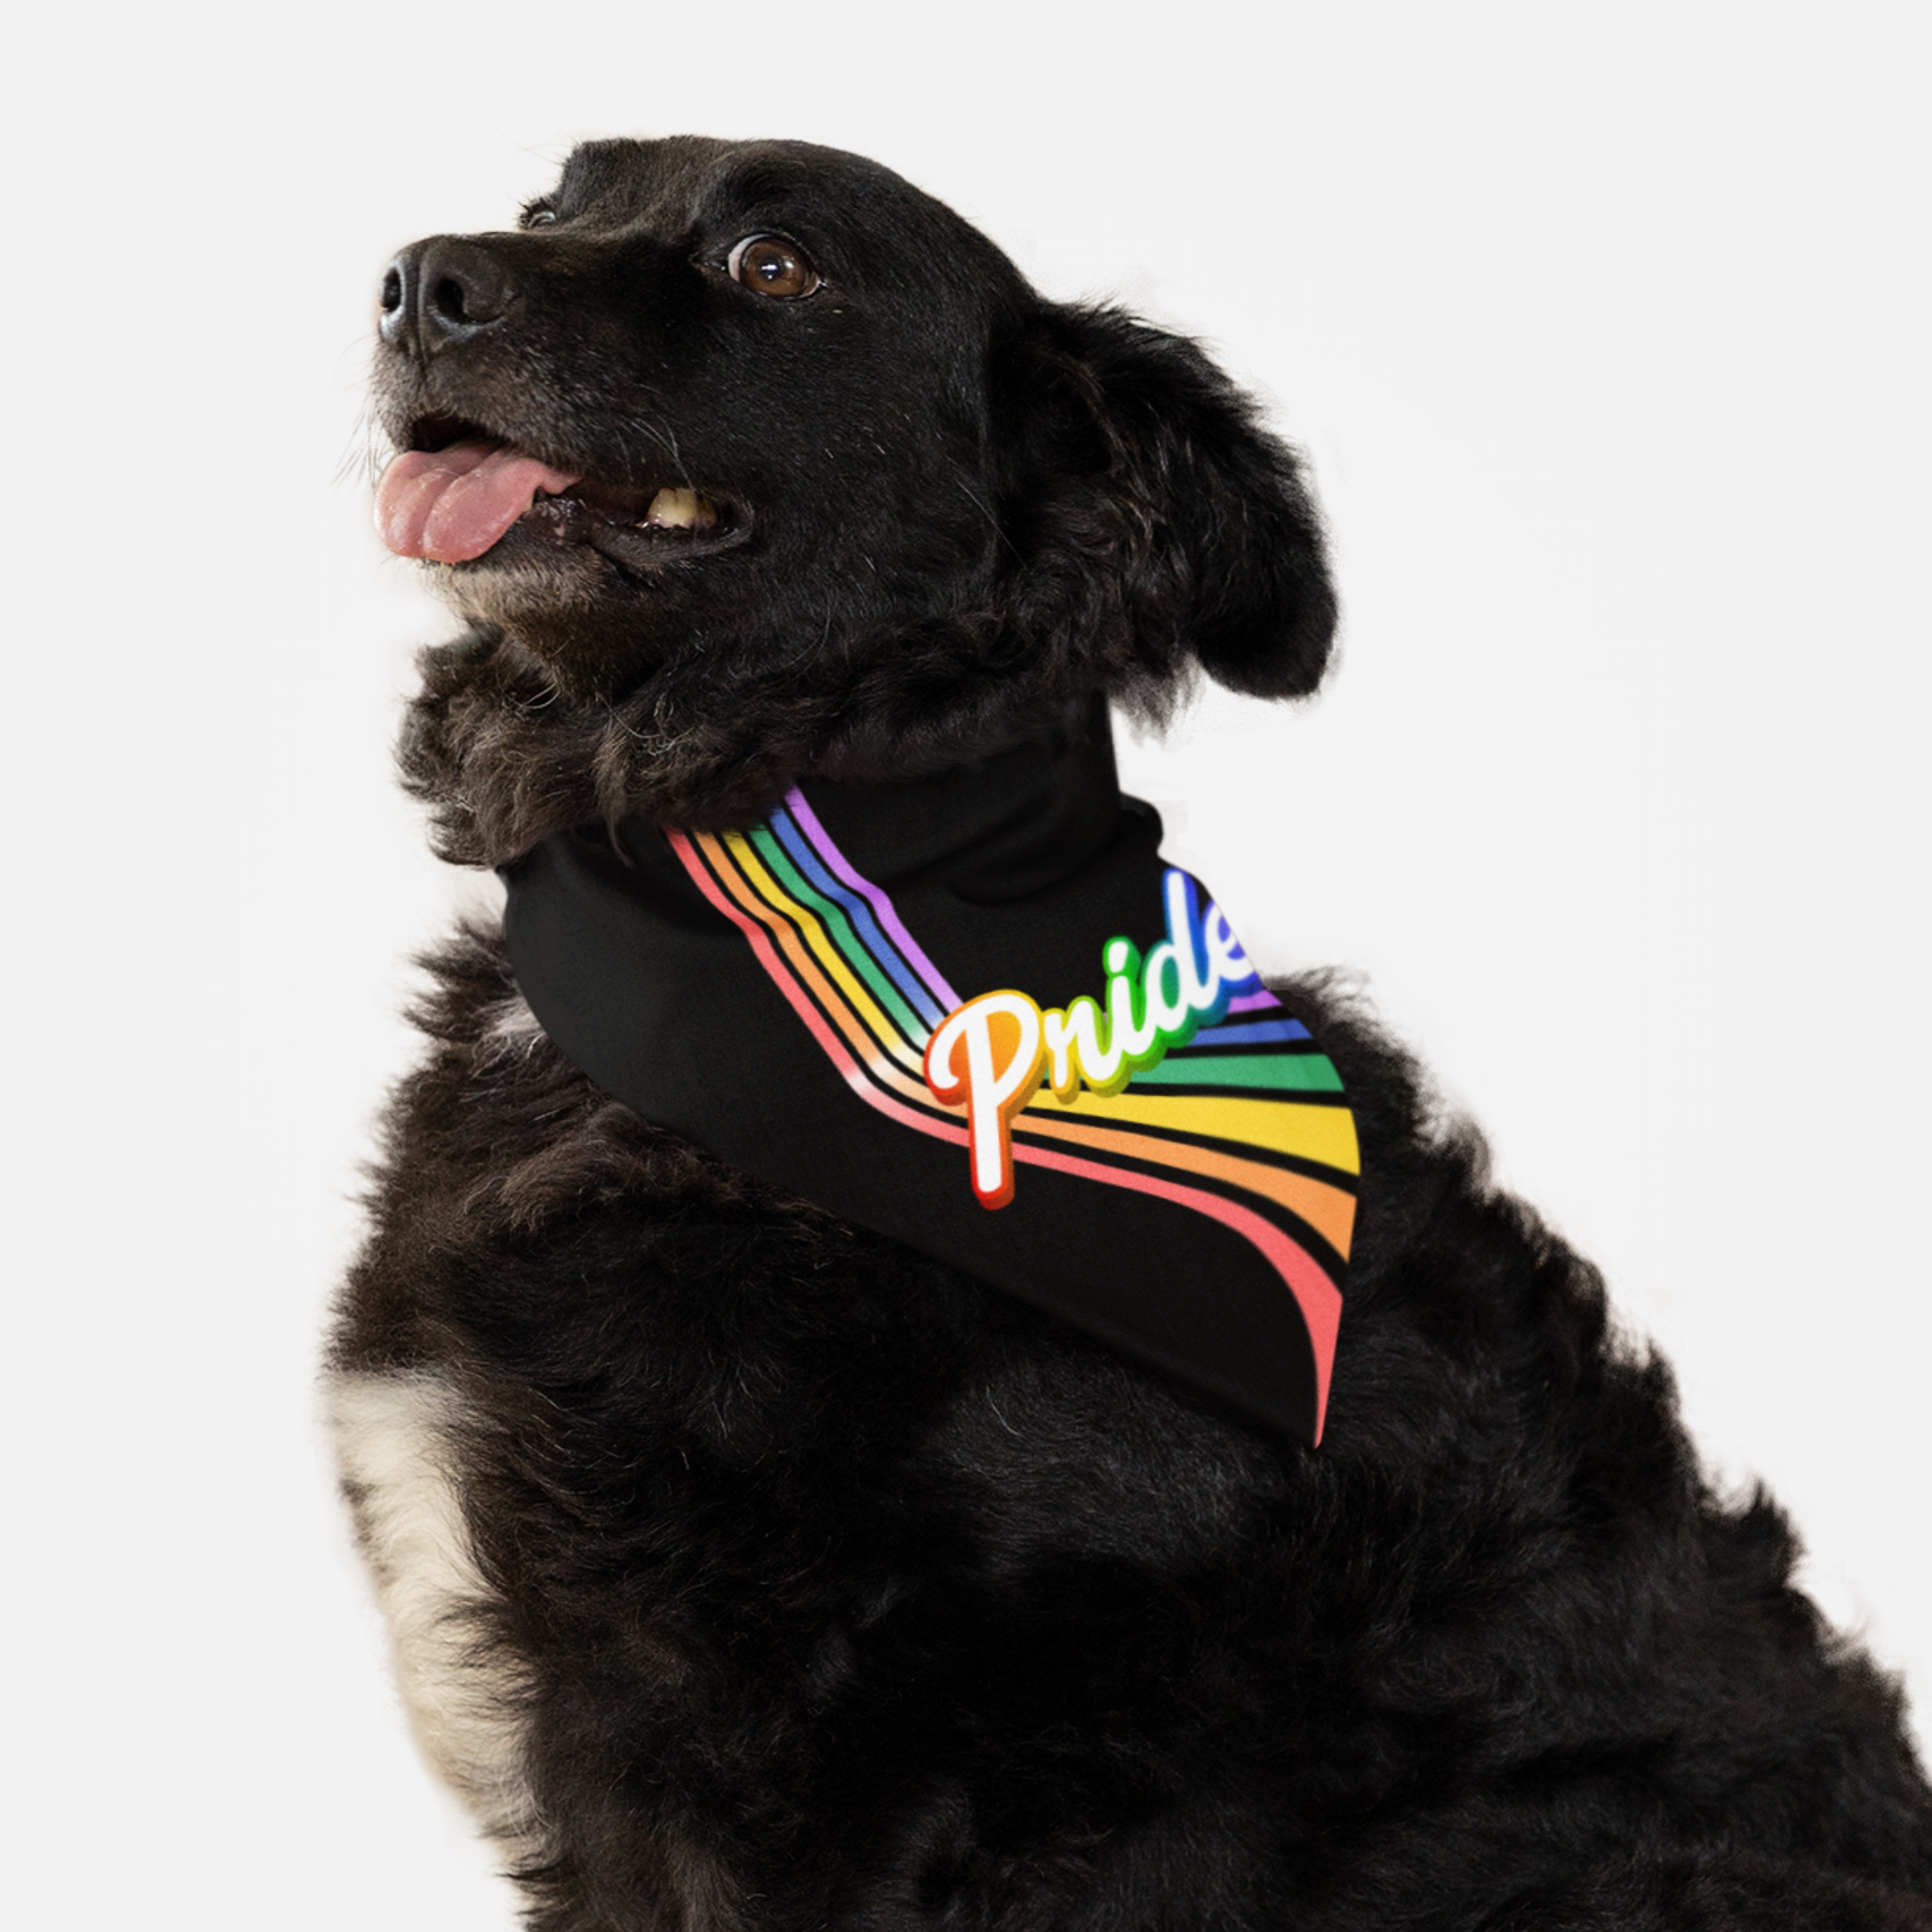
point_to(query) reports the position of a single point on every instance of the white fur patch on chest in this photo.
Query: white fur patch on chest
(398, 1444)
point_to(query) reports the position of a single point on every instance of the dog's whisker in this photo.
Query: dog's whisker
(985, 509)
(362, 454)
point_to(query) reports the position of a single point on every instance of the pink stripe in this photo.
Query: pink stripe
(836, 862)
(802, 1003)
(1316, 1296)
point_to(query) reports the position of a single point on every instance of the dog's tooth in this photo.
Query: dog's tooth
(680, 509)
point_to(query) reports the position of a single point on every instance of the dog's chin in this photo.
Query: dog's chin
(603, 603)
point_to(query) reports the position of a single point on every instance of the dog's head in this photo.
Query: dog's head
(747, 459)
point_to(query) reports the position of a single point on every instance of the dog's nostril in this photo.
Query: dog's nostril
(442, 292)
(447, 301)
(464, 289)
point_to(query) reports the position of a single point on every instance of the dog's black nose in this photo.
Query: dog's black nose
(443, 291)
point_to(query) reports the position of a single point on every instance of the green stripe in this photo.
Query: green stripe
(1301, 1072)
(839, 929)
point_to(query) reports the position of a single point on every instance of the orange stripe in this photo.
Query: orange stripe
(813, 1020)
(807, 970)
(1327, 1210)
(831, 957)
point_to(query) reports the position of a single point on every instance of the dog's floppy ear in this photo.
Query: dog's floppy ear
(1144, 450)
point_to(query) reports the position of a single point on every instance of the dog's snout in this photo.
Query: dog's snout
(443, 291)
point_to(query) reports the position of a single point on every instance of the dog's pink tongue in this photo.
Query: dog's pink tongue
(453, 504)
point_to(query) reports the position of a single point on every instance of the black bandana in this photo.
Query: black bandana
(979, 1014)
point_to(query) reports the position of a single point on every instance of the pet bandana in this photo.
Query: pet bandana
(979, 1014)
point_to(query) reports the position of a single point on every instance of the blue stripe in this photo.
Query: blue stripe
(859, 911)
(1251, 1034)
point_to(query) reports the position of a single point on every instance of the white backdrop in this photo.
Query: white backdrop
(1605, 331)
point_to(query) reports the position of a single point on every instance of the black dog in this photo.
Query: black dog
(750, 1569)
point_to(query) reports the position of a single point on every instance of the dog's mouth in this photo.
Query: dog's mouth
(457, 490)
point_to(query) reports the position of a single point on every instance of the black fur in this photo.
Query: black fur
(833, 1589)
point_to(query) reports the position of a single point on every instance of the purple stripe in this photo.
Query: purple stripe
(1253, 1001)
(808, 823)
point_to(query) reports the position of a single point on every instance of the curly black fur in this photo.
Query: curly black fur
(823, 1586)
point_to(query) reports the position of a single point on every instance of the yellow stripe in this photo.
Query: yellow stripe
(1325, 1134)
(797, 966)
(812, 929)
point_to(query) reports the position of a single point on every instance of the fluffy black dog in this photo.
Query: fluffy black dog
(749, 1569)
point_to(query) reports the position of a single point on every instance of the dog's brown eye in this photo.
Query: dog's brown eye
(538, 216)
(773, 266)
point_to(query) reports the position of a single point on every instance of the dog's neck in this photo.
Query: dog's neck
(915, 1003)
(1004, 828)
(506, 755)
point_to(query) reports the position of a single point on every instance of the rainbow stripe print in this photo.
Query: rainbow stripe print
(1230, 1111)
